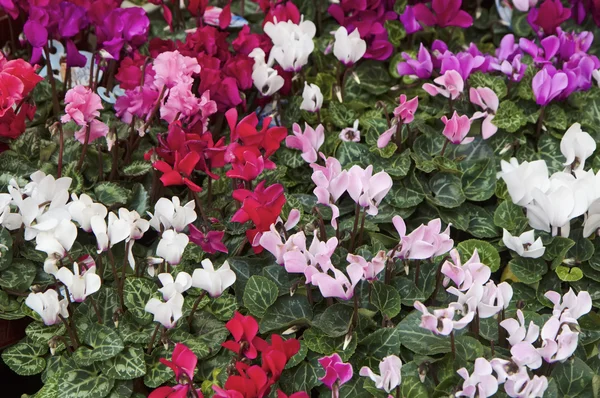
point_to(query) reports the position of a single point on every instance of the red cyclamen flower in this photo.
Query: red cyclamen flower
(244, 330)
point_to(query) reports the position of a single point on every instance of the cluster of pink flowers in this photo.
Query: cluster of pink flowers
(83, 107)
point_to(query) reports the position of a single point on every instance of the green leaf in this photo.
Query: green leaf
(509, 117)
(105, 343)
(137, 168)
(83, 383)
(290, 157)
(447, 190)
(287, 311)
(396, 166)
(487, 253)
(386, 299)
(19, 275)
(139, 199)
(510, 217)
(6, 252)
(528, 270)
(223, 307)
(379, 344)
(569, 274)
(341, 115)
(419, 340)
(582, 251)
(303, 377)
(479, 180)
(481, 224)
(136, 293)
(156, 372)
(555, 117)
(373, 77)
(280, 277)
(260, 293)
(110, 194)
(41, 334)
(574, 378)
(335, 321)
(468, 348)
(352, 153)
(404, 196)
(319, 342)
(127, 365)
(549, 150)
(396, 32)
(412, 387)
(557, 250)
(25, 358)
(496, 83)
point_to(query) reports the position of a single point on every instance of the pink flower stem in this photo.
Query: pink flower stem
(84, 150)
(335, 390)
(155, 109)
(354, 228)
(72, 335)
(91, 80)
(56, 106)
(501, 337)
(398, 391)
(322, 232)
(96, 310)
(194, 308)
(362, 227)
(444, 148)
(452, 345)
(151, 343)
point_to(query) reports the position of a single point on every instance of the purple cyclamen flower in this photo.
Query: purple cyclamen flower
(464, 63)
(411, 25)
(421, 67)
(507, 49)
(572, 43)
(543, 55)
(515, 70)
(123, 26)
(443, 13)
(548, 17)
(547, 86)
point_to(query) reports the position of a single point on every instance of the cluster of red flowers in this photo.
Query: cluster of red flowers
(255, 381)
(17, 79)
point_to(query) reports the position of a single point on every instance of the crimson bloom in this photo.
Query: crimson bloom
(179, 173)
(548, 17)
(178, 391)
(267, 138)
(336, 371)
(300, 394)
(244, 330)
(17, 79)
(210, 242)
(262, 207)
(276, 355)
(252, 382)
(183, 362)
(443, 13)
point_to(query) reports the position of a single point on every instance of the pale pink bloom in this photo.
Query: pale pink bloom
(389, 376)
(457, 128)
(426, 241)
(82, 106)
(559, 341)
(331, 183)
(480, 383)
(351, 134)
(97, 129)
(171, 68)
(366, 189)
(486, 99)
(404, 113)
(518, 332)
(370, 268)
(184, 103)
(339, 285)
(467, 274)
(466, 305)
(494, 299)
(505, 369)
(308, 141)
(523, 386)
(272, 242)
(440, 322)
(297, 259)
(524, 5)
(525, 354)
(576, 305)
(450, 85)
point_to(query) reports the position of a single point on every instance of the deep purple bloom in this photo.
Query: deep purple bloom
(443, 13)
(548, 84)
(411, 25)
(123, 26)
(507, 49)
(422, 66)
(548, 17)
(572, 43)
(73, 19)
(543, 55)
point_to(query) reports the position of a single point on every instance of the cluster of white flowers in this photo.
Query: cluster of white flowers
(553, 201)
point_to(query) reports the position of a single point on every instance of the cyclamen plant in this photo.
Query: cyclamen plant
(281, 198)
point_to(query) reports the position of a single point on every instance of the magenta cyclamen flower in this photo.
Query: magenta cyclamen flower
(421, 67)
(464, 63)
(486, 99)
(443, 13)
(336, 371)
(411, 25)
(308, 141)
(450, 85)
(547, 86)
(457, 128)
(548, 17)
(403, 114)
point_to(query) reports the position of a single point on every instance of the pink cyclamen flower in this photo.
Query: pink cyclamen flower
(547, 86)
(457, 128)
(389, 376)
(486, 99)
(524, 5)
(331, 183)
(210, 242)
(420, 67)
(366, 189)
(370, 268)
(96, 128)
(450, 85)
(576, 305)
(426, 241)
(440, 322)
(559, 341)
(351, 134)
(518, 332)
(172, 68)
(339, 285)
(403, 114)
(411, 25)
(308, 141)
(467, 274)
(480, 382)
(336, 371)
(521, 385)
(82, 105)
(494, 299)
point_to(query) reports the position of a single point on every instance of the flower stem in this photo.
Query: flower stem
(72, 333)
(155, 109)
(96, 310)
(452, 344)
(194, 308)
(417, 272)
(335, 390)
(444, 147)
(540, 121)
(56, 107)
(151, 343)
(354, 227)
(84, 150)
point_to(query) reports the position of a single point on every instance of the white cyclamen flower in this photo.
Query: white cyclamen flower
(389, 376)
(170, 214)
(171, 246)
(48, 306)
(312, 99)
(266, 80)
(525, 245)
(292, 44)
(58, 240)
(576, 146)
(80, 285)
(522, 179)
(214, 282)
(166, 313)
(171, 286)
(348, 48)
(83, 208)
